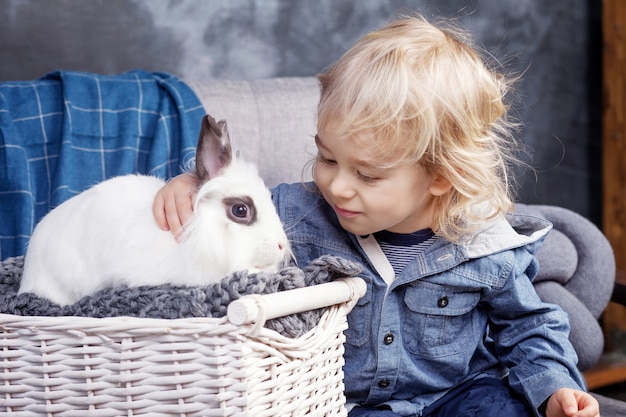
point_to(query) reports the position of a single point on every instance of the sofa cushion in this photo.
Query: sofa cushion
(272, 122)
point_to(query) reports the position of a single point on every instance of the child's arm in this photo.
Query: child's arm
(173, 204)
(566, 402)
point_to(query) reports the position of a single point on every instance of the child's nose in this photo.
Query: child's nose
(341, 186)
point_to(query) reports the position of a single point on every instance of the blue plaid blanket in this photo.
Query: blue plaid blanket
(70, 130)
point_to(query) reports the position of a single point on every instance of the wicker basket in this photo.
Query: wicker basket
(122, 366)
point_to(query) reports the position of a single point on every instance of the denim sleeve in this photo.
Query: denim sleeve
(531, 337)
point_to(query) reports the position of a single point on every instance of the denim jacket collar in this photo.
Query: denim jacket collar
(498, 235)
(504, 233)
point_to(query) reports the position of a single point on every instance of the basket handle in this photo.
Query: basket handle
(254, 308)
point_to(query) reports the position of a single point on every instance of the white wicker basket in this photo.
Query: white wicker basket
(122, 366)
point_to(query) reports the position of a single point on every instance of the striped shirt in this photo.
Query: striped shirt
(401, 248)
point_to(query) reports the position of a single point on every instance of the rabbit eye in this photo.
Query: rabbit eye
(240, 210)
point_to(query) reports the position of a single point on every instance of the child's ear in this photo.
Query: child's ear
(439, 186)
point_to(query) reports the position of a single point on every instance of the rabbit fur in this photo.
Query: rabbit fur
(107, 236)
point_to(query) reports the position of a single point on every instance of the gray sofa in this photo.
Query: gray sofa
(272, 122)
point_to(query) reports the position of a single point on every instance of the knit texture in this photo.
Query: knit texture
(173, 302)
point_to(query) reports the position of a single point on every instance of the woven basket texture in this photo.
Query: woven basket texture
(123, 366)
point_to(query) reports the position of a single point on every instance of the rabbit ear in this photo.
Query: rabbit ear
(214, 152)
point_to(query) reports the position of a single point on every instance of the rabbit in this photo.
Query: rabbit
(106, 236)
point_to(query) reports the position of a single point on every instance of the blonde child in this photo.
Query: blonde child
(411, 181)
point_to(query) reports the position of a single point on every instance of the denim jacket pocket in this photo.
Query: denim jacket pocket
(360, 320)
(438, 319)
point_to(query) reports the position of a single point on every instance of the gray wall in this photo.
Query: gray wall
(555, 44)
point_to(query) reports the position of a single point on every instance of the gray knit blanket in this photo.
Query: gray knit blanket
(172, 302)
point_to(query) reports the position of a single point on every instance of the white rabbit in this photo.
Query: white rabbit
(107, 236)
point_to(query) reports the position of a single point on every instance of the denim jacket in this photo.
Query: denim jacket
(455, 313)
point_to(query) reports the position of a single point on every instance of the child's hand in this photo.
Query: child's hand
(566, 402)
(173, 204)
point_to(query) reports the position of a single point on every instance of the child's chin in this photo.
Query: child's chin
(354, 229)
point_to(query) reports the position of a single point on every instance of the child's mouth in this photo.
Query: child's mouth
(345, 213)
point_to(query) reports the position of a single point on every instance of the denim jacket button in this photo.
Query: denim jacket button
(442, 302)
(383, 383)
(388, 339)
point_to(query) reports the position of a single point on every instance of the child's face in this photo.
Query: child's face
(366, 194)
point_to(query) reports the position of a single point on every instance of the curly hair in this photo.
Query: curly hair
(430, 98)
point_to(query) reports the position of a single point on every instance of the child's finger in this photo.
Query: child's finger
(158, 211)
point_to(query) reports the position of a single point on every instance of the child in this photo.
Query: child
(411, 181)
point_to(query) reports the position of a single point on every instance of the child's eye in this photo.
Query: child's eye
(325, 161)
(367, 178)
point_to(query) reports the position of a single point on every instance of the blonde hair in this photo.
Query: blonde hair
(430, 99)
